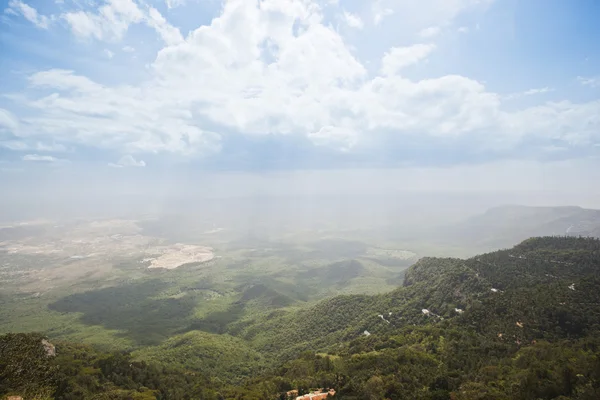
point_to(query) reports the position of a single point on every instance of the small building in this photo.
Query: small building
(316, 395)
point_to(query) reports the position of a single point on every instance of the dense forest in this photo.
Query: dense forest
(521, 323)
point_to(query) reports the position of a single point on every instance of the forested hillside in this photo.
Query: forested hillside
(521, 323)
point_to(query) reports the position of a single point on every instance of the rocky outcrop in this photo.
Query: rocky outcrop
(49, 347)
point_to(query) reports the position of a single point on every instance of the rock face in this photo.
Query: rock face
(49, 347)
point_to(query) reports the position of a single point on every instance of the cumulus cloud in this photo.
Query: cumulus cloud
(401, 57)
(380, 11)
(175, 3)
(29, 13)
(167, 32)
(150, 119)
(430, 32)
(353, 20)
(278, 67)
(112, 20)
(127, 161)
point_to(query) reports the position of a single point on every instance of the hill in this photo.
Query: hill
(548, 285)
(228, 358)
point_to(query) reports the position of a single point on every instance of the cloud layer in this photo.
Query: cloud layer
(283, 69)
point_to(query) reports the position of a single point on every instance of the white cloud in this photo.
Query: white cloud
(529, 92)
(167, 32)
(592, 82)
(280, 68)
(139, 119)
(84, 25)
(8, 121)
(29, 13)
(109, 53)
(45, 159)
(538, 91)
(430, 32)
(175, 3)
(63, 80)
(380, 11)
(110, 22)
(127, 161)
(451, 106)
(338, 138)
(463, 29)
(353, 20)
(573, 123)
(128, 49)
(222, 66)
(400, 57)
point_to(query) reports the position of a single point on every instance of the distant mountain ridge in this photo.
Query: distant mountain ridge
(501, 227)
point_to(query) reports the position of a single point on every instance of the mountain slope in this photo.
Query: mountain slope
(223, 356)
(543, 288)
(521, 323)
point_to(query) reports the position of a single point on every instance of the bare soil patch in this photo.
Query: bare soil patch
(180, 254)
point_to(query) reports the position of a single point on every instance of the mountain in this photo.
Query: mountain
(501, 227)
(549, 285)
(520, 323)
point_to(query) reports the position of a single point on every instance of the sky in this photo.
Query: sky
(456, 92)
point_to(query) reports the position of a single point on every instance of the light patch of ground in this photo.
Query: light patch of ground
(78, 244)
(23, 248)
(179, 254)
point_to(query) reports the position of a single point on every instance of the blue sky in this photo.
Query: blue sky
(297, 84)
